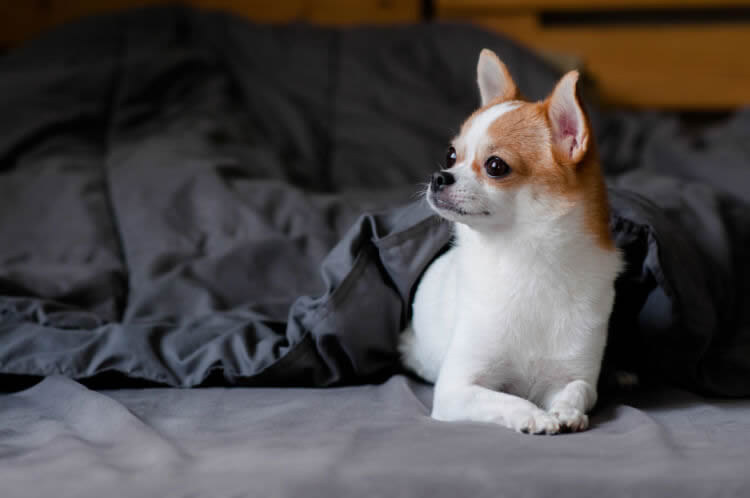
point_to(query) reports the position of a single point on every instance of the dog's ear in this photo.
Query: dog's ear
(494, 79)
(568, 122)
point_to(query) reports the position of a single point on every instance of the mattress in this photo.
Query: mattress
(59, 439)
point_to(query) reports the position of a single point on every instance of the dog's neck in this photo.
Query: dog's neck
(560, 241)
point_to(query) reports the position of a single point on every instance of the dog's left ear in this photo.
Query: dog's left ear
(494, 79)
(568, 122)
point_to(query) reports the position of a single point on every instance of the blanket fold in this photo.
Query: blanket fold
(190, 199)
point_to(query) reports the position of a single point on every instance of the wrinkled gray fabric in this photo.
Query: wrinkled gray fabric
(60, 439)
(189, 199)
(171, 181)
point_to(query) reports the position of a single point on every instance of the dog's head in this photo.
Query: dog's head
(516, 162)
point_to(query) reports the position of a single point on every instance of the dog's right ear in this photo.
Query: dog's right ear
(494, 79)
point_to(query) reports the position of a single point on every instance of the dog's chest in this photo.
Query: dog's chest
(521, 302)
(523, 350)
(529, 323)
(525, 326)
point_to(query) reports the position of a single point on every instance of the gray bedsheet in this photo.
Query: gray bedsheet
(60, 439)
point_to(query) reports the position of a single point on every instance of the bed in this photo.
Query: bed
(210, 240)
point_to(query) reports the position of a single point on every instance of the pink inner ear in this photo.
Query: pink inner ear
(568, 124)
(567, 127)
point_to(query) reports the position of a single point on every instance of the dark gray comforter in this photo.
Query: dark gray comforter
(173, 185)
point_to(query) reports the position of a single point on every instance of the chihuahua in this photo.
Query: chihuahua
(511, 322)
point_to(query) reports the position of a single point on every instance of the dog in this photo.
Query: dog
(510, 323)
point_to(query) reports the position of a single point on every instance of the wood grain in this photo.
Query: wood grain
(671, 66)
(443, 6)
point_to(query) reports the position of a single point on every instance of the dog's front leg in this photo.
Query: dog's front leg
(460, 397)
(571, 403)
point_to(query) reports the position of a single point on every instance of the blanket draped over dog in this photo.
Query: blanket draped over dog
(182, 198)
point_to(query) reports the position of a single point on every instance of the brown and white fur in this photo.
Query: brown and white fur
(511, 322)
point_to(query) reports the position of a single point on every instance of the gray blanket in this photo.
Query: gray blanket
(174, 184)
(60, 439)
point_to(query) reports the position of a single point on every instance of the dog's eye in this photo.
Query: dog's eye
(450, 157)
(496, 167)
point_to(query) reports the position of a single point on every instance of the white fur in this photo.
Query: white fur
(511, 322)
(491, 77)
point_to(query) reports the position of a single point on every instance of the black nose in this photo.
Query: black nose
(440, 180)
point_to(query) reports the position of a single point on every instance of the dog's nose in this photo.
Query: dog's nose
(440, 180)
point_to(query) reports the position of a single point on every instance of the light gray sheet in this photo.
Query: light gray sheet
(60, 439)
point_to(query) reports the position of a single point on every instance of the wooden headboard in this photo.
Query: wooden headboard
(678, 54)
(670, 54)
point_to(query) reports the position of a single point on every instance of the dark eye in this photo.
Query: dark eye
(450, 157)
(496, 167)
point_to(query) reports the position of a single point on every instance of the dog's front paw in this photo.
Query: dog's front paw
(534, 422)
(571, 419)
